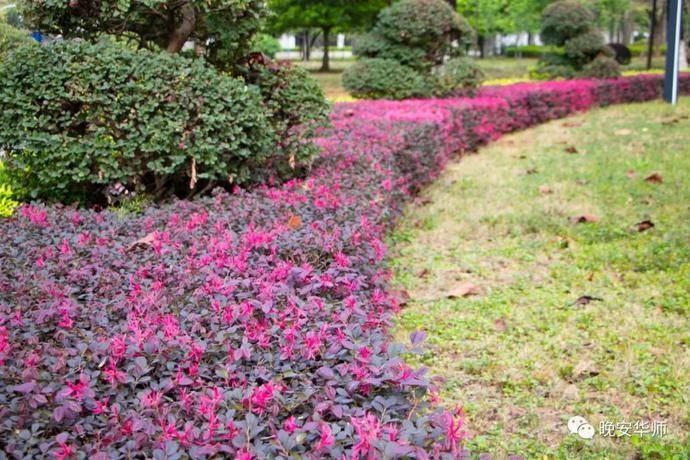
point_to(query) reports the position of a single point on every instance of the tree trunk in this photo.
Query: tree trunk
(182, 31)
(660, 28)
(628, 26)
(652, 34)
(326, 63)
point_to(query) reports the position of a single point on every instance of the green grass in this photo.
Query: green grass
(520, 357)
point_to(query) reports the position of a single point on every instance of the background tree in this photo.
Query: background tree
(327, 16)
(415, 49)
(164, 24)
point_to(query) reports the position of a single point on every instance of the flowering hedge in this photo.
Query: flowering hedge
(253, 324)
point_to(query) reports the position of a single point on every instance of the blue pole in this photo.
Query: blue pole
(675, 18)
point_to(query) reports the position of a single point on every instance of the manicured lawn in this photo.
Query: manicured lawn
(520, 356)
(500, 67)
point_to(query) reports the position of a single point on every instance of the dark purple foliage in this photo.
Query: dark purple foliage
(253, 324)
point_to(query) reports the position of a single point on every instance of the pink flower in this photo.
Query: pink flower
(327, 439)
(290, 425)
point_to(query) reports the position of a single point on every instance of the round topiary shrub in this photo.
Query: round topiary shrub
(457, 77)
(372, 46)
(80, 117)
(571, 25)
(583, 48)
(296, 110)
(11, 38)
(405, 50)
(602, 67)
(564, 20)
(384, 79)
(430, 25)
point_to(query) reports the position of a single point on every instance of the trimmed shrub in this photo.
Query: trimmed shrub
(79, 117)
(375, 47)
(571, 25)
(564, 20)
(430, 25)
(384, 79)
(457, 77)
(266, 44)
(296, 110)
(623, 55)
(602, 67)
(527, 51)
(583, 48)
(405, 49)
(12, 38)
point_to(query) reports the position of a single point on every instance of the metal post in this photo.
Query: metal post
(675, 16)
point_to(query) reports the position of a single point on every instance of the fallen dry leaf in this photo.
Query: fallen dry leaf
(571, 150)
(545, 190)
(463, 290)
(402, 296)
(500, 325)
(655, 178)
(584, 219)
(572, 124)
(585, 368)
(142, 242)
(623, 132)
(423, 273)
(531, 171)
(294, 222)
(587, 299)
(644, 225)
(571, 393)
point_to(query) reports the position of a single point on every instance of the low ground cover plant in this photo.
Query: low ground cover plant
(252, 324)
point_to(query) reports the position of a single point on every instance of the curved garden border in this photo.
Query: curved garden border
(252, 324)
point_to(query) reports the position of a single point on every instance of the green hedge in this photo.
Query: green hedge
(11, 38)
(79, 117)
(530, 51)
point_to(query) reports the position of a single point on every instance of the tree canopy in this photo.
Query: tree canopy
(167, 24)
(328, 16)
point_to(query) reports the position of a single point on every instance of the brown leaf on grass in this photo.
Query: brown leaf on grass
(670, 121)
(585, 219)
(572, 124)
(401, 296)
(423, 273)
(587, 299)
(144, 242)
(531, 171)
(623, 132)
(644, 225)
(500, 325)
(463, 290)
(422, 201)
(585, 368)
(571, 150)
(654, 178)
(294, 222)
(545, 190)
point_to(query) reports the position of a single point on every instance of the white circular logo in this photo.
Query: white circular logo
(580, 426)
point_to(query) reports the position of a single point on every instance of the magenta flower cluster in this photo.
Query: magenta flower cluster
(252, 324)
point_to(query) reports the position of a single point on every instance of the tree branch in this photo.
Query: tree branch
(184, 30)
